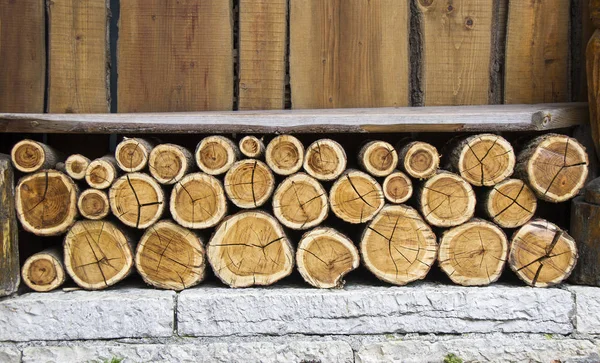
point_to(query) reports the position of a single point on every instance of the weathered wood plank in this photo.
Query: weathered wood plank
(78, 54)
(456, 43)
(175, 56)
(9, 243)
(537, 52)
(403, 119)
(262, 54)
(349, 53)
(22, 56)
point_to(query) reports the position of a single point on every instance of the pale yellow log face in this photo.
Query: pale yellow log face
(300, 202)
(541, 254)
(198, 201)
(486, 160)
(285, 154)
(558, 168)
(447, 200)
(398, 246)
(251, 146)
(131, 155)
(76, 166)
(100, 174)
(397, 188)
(249, 183)
(167, 163)
(325, 159)
(28, 156)
(97, 254)
(356, 197)
(137, 200)
(170, 257)
(41, 272)
(421, 160)
(93, 204)
(511, 203)
(214, 155)
(473, 254)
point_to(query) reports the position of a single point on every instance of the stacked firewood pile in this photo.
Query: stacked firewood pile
(413, 213)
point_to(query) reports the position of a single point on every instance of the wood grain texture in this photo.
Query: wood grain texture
(456, 40)
(537, 52)
(262, 54)
(78, 55)
(592, 60)
(175, 56)
(350, 53)
(22, 56)
(9, 242)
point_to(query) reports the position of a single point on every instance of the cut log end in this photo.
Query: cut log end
(97, 254)
(252, 147)
(397, 187)
(168, 163)
(419, 159)
(325, 160)
(132, 154)
(137, 200)
(249, 183)
(510, 203)
(46, 202)
(447, 200)
(93, 204)
(76, 166)
(378, 158)
(198, 201)
(29, 156)
(541, 254)
(300, 202)
(170, 257)
(555, 167)
(101, 173)
(474, 253)
(325, 256)
(216, 154)
(285, 154)
(483, 160)
(398, 246)
(356, 197)
(44, 271)
(250, 248)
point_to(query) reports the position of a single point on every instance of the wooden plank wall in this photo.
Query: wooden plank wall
(191, 55)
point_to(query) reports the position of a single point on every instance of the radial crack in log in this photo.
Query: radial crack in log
(102, 172)
(378, 158)
(325, 160)
(509, 204)
(300, 202)
(168, 163)
(198, 201)
(137, 200)
(446, 200)
(249, 183)
(356, 197)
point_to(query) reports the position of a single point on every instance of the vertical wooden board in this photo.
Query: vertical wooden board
(22, 56)
(350, 53)
(175, 56)
(9, 243)
(262, 54)
(78, 56)
(456, 43)
(537, 52)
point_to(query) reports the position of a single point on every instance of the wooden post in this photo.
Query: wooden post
(592, 59)
(585, 229)
(9, 233)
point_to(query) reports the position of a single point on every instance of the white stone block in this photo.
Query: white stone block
(10, 355)
(118, 313)
(362, 309)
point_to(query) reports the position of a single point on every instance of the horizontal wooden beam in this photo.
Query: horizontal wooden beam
(404, 119)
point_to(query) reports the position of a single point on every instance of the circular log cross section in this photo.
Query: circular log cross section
(101, 173)
(483, 160)
(555, 167)
(250, 248)
(356, 197)
(252, 147)
(474, 253)
(132, 154)
(447, 200)
(76, 166)
(419, 159)
(170, 257)
(249, 183)
(378, 158)
(325, 160)
(285, 155)
(510, 203)
(137, 200)
(44, 271)
(93, 204)
(398, 246)
(97, 254)
(46, 202)
(168, 163)
(397, 187)
(198, 201)
(29, 156)
(216, 154)
(541, 254)
(300, 202)
(325, 256)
